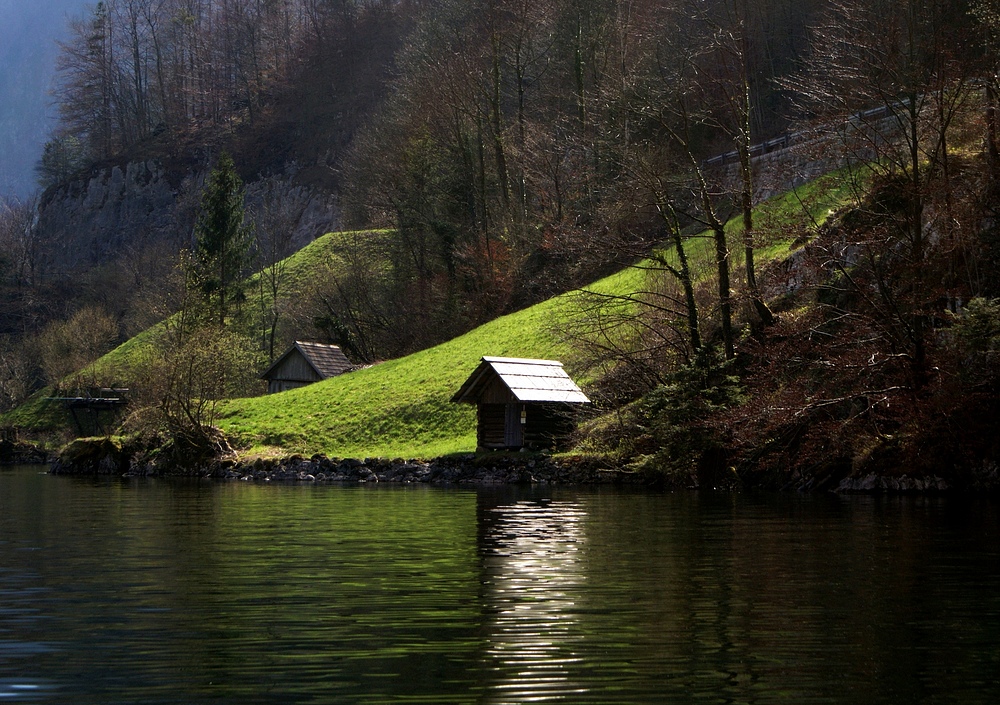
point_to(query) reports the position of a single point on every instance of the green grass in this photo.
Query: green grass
(116, 368)
(37, 414)
(322, 253)
(402, 408)
(779, 222)
(398, 408)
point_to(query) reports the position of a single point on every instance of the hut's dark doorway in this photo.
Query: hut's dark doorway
(513, 433)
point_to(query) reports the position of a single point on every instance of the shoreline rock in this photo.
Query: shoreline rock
(873, 483)
(464, 470)
(101, 456)
(17, 452)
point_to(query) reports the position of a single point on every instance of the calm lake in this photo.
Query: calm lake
(154, 591)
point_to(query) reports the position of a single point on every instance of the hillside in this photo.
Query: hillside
(818, 400)
(354, 115)
(398, 408)
(493, 158)
(401, 407)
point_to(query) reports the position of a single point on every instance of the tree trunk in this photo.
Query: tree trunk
(725, 291)
(694, 332)
(760, 306)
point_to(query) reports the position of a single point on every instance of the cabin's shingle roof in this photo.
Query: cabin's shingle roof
(528, 380)
(327, 360)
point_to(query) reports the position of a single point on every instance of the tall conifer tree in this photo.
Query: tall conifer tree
(223, 242)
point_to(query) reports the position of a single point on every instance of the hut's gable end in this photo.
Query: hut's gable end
(493, 391)
(294, 368)
(305, 363)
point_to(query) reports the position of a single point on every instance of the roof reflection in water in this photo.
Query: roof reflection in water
(533, 575)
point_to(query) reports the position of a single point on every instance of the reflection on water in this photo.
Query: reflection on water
(532, 576)
(165, 592)
(162, 592)
(11, 690)
(19, 614)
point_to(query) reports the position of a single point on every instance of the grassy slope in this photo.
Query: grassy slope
(401, 408)
(38, 414)
(397, 408)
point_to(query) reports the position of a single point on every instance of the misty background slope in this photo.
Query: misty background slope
(29, 31)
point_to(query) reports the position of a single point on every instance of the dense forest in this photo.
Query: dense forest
(501, 151)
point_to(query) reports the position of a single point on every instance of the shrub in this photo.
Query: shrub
(677, 417)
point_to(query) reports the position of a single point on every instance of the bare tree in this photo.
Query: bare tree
(350, 302)
(727, 72)
(274, 221)
(86, 66)
(19, 245)
(17, 372)
(670, 114)
(988, 16)
(67, 347)
(132, 66)
(183, 379)
(894, 72)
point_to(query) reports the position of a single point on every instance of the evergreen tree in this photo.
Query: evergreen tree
(223, 243)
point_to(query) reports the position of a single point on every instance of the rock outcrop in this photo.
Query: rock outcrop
(140, 205)
(92, 456)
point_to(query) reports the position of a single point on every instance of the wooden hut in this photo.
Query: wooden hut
(521, 403)
(305, 363)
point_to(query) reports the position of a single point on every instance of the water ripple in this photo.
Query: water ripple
(164, 592)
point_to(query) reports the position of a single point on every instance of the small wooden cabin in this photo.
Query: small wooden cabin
(305, 363)
(521, 403)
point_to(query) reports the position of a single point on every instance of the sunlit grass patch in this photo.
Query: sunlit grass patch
(402, 408)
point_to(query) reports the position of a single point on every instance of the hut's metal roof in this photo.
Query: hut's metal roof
(327, 360)
(528, 380)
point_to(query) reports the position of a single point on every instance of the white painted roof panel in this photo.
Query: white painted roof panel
(528, 380)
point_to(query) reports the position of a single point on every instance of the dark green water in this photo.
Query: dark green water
(171, 592)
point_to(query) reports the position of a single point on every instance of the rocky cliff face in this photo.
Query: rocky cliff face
(93, 220)
(89, 221)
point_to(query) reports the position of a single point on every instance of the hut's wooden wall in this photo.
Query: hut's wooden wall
(283, 385)
(546, 425)
(293, 372)
(492, 422)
